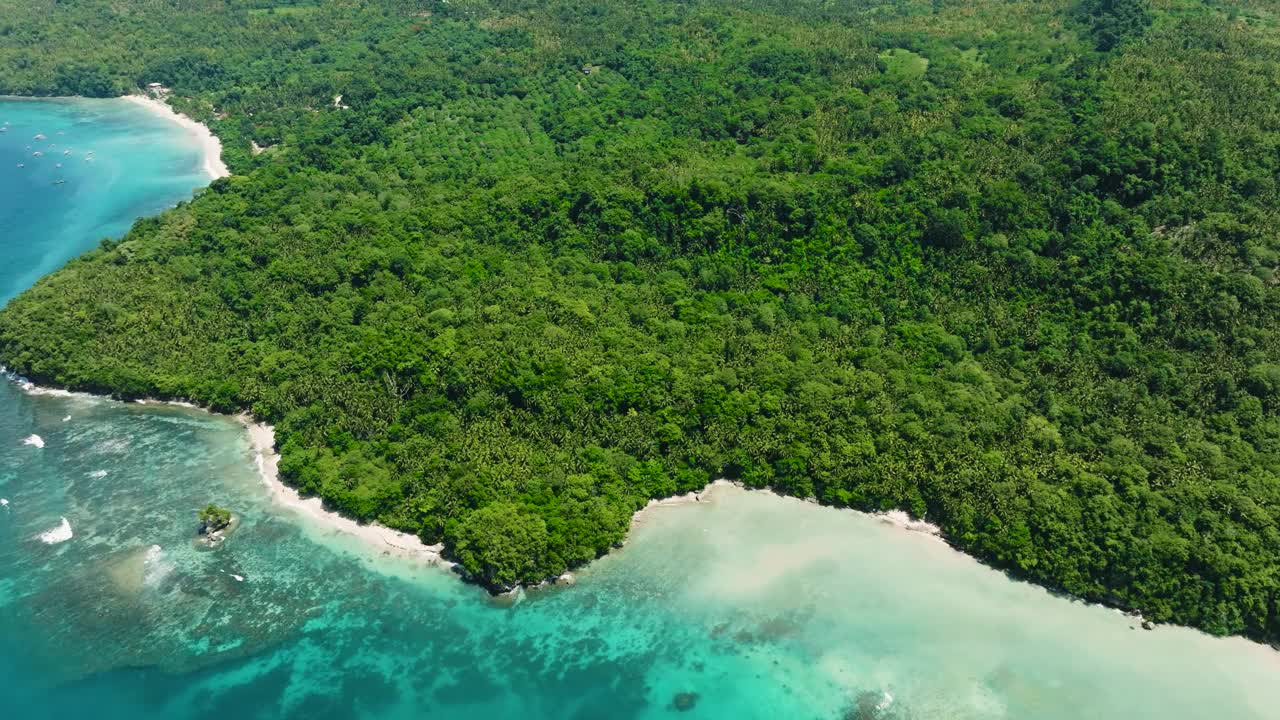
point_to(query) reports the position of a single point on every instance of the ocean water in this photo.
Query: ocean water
(101, 165)
(744, 605)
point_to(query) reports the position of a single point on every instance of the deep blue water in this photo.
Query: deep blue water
(741, 606)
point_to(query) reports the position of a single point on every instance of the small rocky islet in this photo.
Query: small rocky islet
(216, 525)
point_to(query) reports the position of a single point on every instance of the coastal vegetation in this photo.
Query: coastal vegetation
(511, 269)
(213, 519)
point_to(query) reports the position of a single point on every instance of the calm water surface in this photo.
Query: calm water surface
(746, 606)
(73, 172)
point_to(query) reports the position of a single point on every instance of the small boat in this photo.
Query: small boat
(66, 152)
(59, 182)
(21, 165)
(39, 137)
(37, 154)
(58, 165)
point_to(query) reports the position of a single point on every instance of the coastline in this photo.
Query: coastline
(408, 547)
(262, 439)
(210, 145)
(896, 518)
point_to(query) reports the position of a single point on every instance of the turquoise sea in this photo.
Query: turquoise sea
(743, 605)
(75, 171)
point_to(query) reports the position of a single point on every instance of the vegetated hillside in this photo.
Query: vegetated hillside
(1012, 265)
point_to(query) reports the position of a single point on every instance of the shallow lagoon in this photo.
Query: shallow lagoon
(742, 606)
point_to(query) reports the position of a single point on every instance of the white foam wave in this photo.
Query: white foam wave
(237, 578)
(53, 536)
(31, 388)
(901, 519)
(34, 441)
(4, 502)
(154, 566)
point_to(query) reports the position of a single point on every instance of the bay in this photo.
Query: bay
(75, 171)
(743, 605)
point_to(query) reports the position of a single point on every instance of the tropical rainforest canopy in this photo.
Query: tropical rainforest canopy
(501, 271)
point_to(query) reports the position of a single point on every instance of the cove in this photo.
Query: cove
(744, 605)
(74, 171)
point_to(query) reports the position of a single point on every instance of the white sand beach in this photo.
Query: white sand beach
(211, 146)
(262, 438)
(897, 518)
(697, 496)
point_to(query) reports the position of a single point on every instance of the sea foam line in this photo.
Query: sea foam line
(55, 535)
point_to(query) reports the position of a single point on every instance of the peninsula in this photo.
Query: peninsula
(1007, 266)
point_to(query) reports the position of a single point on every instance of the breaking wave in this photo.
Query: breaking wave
(55, 535)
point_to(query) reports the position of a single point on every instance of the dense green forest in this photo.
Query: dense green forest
(1010, 265)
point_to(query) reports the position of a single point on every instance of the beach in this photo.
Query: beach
(210, 145)
(731, 561)
(263, 440)
(759, 604)
(899, 519)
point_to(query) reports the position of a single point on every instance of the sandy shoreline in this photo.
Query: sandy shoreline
(705, 494)
(263, 440)
(210, 145)
(896, 518)
(411, 548)
(400, 544)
